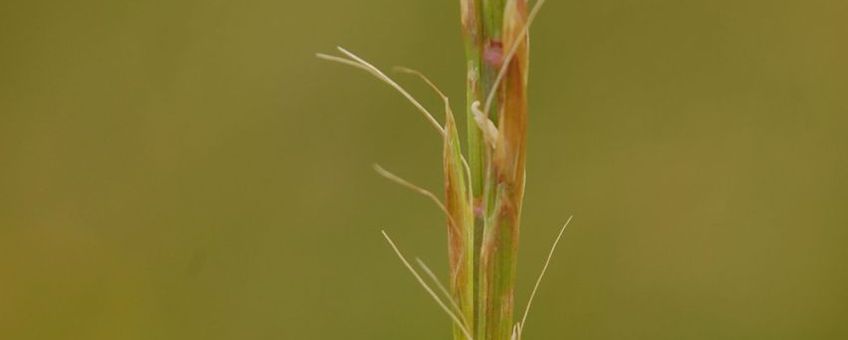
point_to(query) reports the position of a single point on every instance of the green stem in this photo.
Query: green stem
(497, 172)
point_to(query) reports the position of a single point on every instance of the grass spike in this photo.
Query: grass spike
(484, 214)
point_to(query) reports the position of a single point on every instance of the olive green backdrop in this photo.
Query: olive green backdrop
(189, 169)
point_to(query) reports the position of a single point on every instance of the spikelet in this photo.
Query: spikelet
(505, 178)
(460, 225)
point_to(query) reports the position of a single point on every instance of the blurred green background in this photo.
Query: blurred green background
(189, 170)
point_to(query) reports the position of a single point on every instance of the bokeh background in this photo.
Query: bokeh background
(189, 170)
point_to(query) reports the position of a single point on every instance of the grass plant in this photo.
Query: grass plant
(483, 186)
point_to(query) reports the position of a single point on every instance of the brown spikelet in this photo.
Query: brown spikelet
(500, 239)
(460, 225)
(511, 153)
